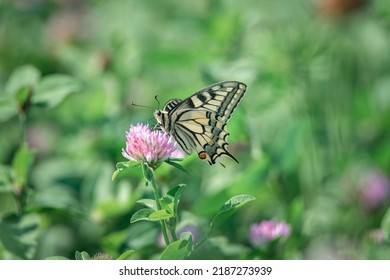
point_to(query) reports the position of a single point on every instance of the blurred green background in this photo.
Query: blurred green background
(311, 134)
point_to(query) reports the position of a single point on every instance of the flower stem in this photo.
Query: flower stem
(157, 199)
(172, 230)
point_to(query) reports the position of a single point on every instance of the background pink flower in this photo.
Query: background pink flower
(266, 231)
(377, 236)
(375, 190)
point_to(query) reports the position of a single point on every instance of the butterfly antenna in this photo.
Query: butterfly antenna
(158, 101)
(137, 105)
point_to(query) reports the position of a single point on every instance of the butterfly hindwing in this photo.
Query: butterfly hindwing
(204, 132)
(198, 122)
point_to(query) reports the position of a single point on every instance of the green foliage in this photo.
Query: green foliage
(311, 134)
(177, 250)
(143, 214)
(82, 256)
(165, 210)
(53, 89)
(122, 167)
(126, 255)
(175, 163)
(228, 209)
(19, 235)
(21, 165)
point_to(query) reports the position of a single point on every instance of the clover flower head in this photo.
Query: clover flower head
(266, 231)
(377, 236)
(375, 190)
(151, 147)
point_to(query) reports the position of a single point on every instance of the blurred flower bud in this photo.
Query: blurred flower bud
(266, 231)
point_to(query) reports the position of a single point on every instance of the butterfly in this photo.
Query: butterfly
(198, 122)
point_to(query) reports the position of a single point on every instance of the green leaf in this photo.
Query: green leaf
(121, 167)
(141, 215)
(385, 224)
(176, 193)
(116, 173)
(170, 201)
(174, 163)
(8, 108)
(187, 236)
(8, 201)
(23, 94)
(12, 102)
(23, 77)
(8, 204)
(125, 164)
(82, 256)
(19, 235)
(58, 197)
(148, 172)
(160, 215)
(177, 250)
(53, 89)
(5, 179)
(140, 236)
(58, 258)
(150, 203)
(126, 255)
(148, 214)
(229, 208)
(21, 164)
(166, 203)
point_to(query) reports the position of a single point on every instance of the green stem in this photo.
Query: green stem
(200, 242)
(157, 199)
(23, 122)
(171, 225)
(173, 233)
(21, 193)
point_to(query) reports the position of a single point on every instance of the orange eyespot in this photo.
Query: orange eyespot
(202, 155)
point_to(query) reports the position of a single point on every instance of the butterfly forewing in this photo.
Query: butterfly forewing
(221, 98)
(198, 122)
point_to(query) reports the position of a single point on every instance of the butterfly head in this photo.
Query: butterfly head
(160, 117)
